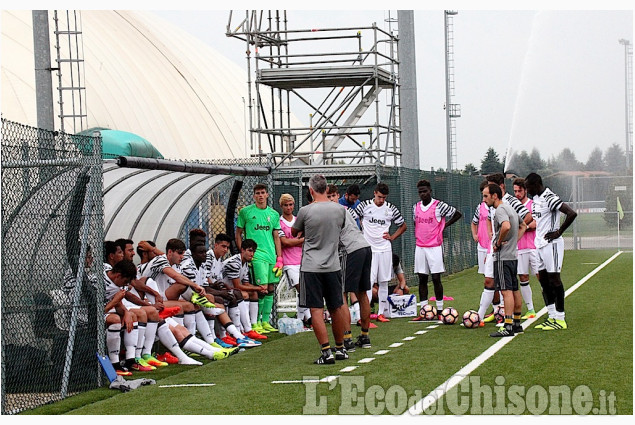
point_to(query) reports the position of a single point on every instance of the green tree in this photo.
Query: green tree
(535, 163)
(491, 163)
(470, 170)
(566, 161)
(595, 161)
(615, 160)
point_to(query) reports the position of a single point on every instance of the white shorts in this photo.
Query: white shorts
(550, 256)
(482, 256)
(381, 267)
(487, 267)
(293, 275)
(528, 261)
(129, 305)
(429, 260)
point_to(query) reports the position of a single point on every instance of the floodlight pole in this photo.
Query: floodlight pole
(628, 94)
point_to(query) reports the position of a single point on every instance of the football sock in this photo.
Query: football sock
(211, 322)
(439, 305)
(559, 292)
(190, 345)
(220, 329)
(130, 340)
(516, 318)
(382, 295)
(113, 342)
(233, 331)
(141, 336)
(525, 290)
(261, 302)
(253, 312)
(364, 332)
(189, 321)
(234, 314)
(486, 299)
(551, 309)
(169, 341)
(151, 333)
(245, 321)
(267, 305)
(326, 348)
(348, 335)
(508, 322)
(302, 311)
(179, 319)
(203, 327)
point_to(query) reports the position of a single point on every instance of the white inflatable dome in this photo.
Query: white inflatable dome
(142, 75)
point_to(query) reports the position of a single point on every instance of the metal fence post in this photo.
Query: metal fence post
(88, 207)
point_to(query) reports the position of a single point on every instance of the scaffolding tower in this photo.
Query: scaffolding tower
(337, 75)
(452, 110)
(70, 70)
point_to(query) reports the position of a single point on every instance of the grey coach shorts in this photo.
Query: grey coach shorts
(505, 275)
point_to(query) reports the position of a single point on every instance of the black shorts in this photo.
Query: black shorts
(505, 275)
(356, 270)
(318, 288)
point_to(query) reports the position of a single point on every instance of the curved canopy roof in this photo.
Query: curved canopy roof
(151, 204)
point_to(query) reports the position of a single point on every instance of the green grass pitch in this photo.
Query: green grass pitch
(596, 352)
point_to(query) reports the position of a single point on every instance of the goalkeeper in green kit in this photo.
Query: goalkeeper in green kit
(261, 223)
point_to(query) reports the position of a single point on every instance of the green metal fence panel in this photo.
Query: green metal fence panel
(52, 233)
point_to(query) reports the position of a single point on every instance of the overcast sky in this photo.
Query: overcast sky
(544, 79)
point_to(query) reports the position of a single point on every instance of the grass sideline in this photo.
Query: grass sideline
(577, 356)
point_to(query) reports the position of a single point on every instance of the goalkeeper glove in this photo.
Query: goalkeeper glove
(277, 269)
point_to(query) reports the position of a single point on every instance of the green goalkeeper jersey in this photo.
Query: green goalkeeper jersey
(259, 224)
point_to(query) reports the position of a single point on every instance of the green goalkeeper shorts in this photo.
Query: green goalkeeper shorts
(263, 273)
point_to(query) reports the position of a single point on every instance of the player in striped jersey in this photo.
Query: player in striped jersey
(546, 209)
(430, 217)
(376, 216)
(482, 233)
(236, 275)
(525, 215)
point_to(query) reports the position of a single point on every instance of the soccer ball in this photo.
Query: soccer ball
(449, 315)
(499, 314)
(471, 319)
(428, 312)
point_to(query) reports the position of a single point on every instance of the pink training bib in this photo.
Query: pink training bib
(527, 241)
(428, 231)
(291, 256)
(483, 235)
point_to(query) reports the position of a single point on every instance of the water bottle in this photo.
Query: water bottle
(282, 324)
(294, 325)
(291, 327)
(299, 325)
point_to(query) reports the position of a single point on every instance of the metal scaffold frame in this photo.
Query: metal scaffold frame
(346, 78)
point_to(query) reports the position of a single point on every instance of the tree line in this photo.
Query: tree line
(612, 160)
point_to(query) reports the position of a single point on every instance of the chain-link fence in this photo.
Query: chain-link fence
(600, 224)
(52, 233)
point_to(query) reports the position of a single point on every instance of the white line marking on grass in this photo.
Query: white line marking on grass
(396, 344)
(349, 368)
(420, 332)
(409, 338)
(366, 360)
(590, 263)
(382, 352)
(186, 385)
(308, 381)
(455, 379)
(432, 326)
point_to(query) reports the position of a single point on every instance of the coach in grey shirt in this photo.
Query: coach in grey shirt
(320, 275)
(508, 227)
